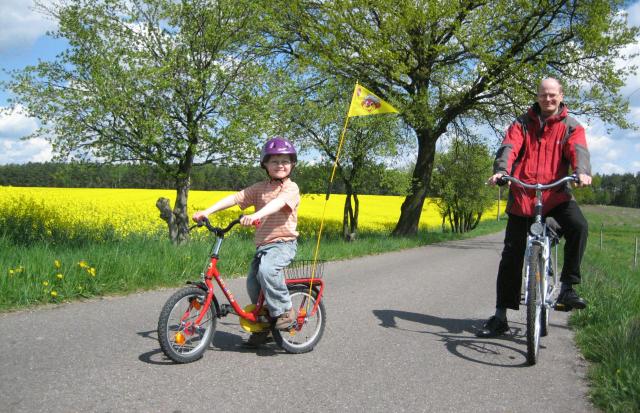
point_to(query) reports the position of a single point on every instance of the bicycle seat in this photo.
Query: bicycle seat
(554, 230)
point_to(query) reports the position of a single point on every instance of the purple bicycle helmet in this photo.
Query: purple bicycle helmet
(278, 146)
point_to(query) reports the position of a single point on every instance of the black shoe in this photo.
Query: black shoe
(493, 327)
(569, 300)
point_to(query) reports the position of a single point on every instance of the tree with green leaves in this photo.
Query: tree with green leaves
(459, 182)
(173, 84)
(317, 121)
(472, 61)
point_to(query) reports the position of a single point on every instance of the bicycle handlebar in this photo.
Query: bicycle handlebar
(570, 178)
(204, 222)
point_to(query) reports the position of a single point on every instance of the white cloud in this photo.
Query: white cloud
(13, 126)
(22, 151)
(21, 24)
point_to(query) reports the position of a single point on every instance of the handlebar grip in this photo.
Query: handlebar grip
(502, 181)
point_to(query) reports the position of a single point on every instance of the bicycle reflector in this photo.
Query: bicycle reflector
(536, 229)
(179, 338)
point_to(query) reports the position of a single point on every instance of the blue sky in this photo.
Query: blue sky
(23, 41)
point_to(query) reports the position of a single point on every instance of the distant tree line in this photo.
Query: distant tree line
(376, 180)
(616, 189)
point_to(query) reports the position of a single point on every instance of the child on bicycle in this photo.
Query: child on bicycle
(276, 203)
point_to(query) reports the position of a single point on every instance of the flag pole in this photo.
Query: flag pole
(326, 200)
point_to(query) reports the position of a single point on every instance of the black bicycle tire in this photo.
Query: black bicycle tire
(163, 328)
(308, 346)
(545, 312)
(533, 339)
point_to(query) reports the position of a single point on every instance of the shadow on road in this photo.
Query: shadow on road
(222, 341)
(471, 244)
(458, 336)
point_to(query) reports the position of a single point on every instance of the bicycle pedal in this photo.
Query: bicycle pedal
(562, 307)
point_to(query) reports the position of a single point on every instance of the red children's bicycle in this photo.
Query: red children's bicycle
(188, 318)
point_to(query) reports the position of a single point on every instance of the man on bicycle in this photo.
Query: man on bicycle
(540, 147)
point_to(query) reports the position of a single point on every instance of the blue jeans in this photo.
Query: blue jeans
(266, 272)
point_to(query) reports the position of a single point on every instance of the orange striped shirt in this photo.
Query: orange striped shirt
(281, 225)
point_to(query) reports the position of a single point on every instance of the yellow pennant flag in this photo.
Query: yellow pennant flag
(365, 102)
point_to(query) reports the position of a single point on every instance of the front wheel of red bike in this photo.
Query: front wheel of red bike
(180, 338)
(307, 331)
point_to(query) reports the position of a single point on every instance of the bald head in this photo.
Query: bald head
(550, 97)
(550, 81)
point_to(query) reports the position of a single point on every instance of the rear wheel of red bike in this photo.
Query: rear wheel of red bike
(302, 338)
(180, 339)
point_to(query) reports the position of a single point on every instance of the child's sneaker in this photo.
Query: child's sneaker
(286, 320)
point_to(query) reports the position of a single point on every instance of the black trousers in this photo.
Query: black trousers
(575, 230)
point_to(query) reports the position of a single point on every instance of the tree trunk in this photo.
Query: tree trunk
(412, 206)
(346, 212)
(176, 219)
(356, 213)
(350, 215)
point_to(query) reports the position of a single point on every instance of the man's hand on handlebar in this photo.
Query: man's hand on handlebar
(583, 180)
(495, 178)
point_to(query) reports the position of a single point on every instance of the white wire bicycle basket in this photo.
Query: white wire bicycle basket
(304, 269)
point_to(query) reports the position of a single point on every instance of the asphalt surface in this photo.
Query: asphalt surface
(399, 338)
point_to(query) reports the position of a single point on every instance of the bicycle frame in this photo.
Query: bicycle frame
(538, 299)
(212, 273)
(538, 233)
(544, 241)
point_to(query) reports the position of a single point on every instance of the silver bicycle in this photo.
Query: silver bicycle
(540, 273)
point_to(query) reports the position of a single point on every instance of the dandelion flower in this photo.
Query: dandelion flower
(45, 283)
(54, 294)
(11, 272)
(57, 264)
(83, 264)
(92, 271)
(59, 276)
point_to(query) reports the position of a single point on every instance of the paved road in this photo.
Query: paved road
(399, 338)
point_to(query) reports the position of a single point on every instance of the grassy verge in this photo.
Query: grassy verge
(43, 273)
(608, 331)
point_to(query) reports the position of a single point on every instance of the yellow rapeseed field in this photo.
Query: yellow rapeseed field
(133, 211)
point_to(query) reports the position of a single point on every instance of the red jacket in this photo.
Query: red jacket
(537, 151)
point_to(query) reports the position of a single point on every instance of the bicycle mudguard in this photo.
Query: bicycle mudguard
(317, 285)
(203, 287)
(199, 284)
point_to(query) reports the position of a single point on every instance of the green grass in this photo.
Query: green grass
(608, 330)
(29, 275)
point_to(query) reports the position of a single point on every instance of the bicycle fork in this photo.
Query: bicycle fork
(544, 274)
